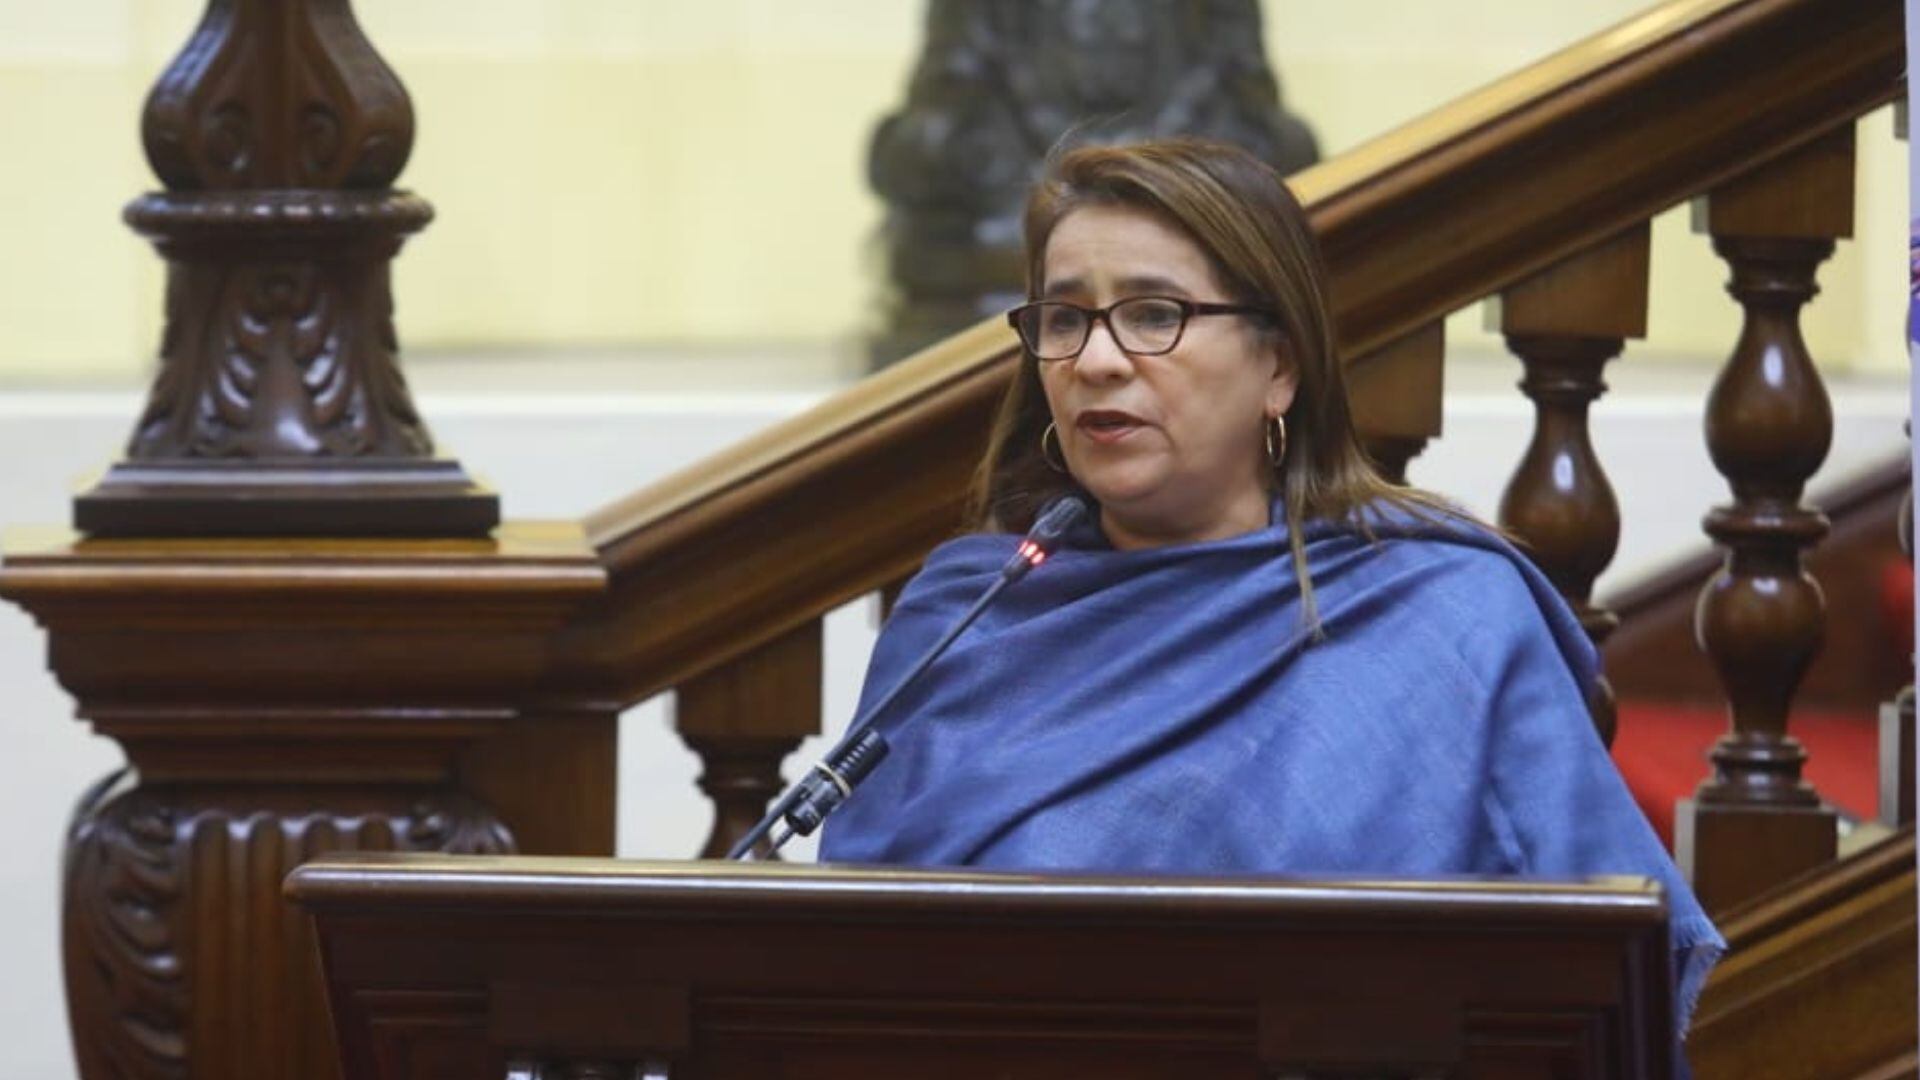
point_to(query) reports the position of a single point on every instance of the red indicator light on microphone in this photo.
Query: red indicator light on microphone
(1031, 552)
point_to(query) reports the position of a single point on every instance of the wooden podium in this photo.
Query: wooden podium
(480, 967)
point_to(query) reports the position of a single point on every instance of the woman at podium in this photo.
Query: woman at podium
(1256, 656)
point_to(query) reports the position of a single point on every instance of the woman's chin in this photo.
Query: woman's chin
(1118, 488)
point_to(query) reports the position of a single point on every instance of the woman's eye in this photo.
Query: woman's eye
(1153, 316)
(1061, 320)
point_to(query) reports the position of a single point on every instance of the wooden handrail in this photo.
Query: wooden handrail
(738, 550)
(1600, 136)
(728, 555)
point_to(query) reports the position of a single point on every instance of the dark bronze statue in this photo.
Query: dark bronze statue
(1000, 84)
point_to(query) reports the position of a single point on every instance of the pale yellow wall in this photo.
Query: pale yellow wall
(625, 172)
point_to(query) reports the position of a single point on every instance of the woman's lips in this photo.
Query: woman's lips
(1107, 425)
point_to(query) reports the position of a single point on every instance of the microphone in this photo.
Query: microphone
(830, 782)
(1048, 529)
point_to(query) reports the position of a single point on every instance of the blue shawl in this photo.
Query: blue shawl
(1169, 710)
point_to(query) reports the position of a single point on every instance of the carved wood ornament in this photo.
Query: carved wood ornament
(279, 406)
(168, 963)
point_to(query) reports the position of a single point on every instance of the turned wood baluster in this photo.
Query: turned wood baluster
(1761, 619)
(1395, 391)
(1565, 323)
(743, 719)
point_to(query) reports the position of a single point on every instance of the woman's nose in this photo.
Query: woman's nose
(1102, 359)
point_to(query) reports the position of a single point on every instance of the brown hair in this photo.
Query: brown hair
(1237, 209)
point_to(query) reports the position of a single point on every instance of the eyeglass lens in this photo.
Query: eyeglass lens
(1146, 324)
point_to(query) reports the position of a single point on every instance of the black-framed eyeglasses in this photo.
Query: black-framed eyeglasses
(1141, 325)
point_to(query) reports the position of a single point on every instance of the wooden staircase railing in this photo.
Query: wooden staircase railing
(283, 697)
(1535, 191)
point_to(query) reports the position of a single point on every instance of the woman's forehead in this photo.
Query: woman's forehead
(1123, 249)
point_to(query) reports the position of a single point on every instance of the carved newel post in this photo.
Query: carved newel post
(279, 407)
(1755, 823)
(997, 86)
(361, 685)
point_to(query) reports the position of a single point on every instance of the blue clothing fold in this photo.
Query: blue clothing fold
(1170, 710)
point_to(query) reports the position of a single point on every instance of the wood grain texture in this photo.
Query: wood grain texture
(810, 971)
(1396, 390)
(1819, 980)
(553, 773)
(293, 660)
(1600, 292)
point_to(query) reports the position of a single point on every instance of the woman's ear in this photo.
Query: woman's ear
(1285, 381)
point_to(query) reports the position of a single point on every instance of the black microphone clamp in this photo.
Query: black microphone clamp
(831, 782)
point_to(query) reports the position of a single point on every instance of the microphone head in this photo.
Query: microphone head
(1048, 528)
(1055, 519)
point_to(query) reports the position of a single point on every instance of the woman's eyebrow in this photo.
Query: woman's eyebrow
(1150, 284)
(1136, 285)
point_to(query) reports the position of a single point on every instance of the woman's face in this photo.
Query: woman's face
(1172, 445)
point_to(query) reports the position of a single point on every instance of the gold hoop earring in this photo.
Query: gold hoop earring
(1057, 460)
(1277, 456)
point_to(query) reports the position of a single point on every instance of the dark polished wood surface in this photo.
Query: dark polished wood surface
(443, 968)
(1819, 981)
(1565, 323)
(1762, 619)
(1653, 655)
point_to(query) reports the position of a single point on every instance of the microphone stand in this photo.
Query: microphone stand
(830, 782)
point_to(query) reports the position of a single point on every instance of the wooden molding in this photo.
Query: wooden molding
(1397, 389)
(296, 656)
(1600, 292)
